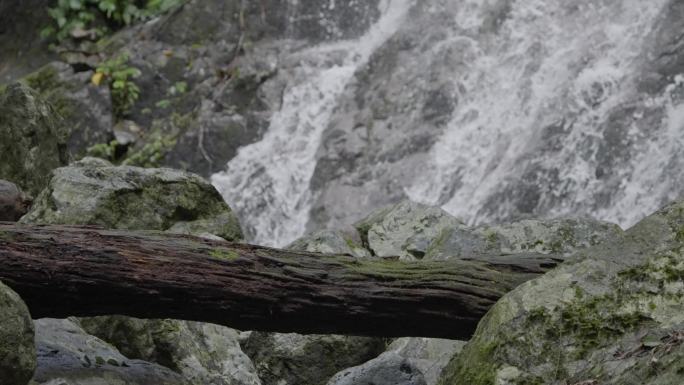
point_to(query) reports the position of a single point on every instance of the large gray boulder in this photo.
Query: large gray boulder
(17, 350)
(32, 138)
(93, 192)
(612, 315)
(128, 197)
(68, 355)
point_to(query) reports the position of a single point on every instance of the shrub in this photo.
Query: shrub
(95, 18)
(119, 75)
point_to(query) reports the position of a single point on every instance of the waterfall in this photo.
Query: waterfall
(268, 181)
(552, 118)
(555, 62)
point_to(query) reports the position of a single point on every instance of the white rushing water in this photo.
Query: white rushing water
(270, 179)
(550, 62)
(583, 56)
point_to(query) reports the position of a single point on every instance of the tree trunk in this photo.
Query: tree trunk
(65, 271)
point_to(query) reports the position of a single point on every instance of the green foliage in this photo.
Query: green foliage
(94, 18)
(178, 88)
(120, 79)
(152, 154)
(164, 103)
(103, 150)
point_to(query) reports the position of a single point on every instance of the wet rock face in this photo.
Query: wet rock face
(33, 138)
(68, 355)
(606, 317)
(13, 202)
(17, 349)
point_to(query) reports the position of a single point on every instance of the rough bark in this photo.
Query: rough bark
(65, 271)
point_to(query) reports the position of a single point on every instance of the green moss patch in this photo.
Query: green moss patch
(224, 255)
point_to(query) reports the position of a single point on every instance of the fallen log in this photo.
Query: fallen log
(65, 271)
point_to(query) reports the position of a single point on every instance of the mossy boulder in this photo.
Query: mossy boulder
(17, 349)
(404, 230)
(293, 359)
(613, 314)
(559, 236)
(127, 197)
(202, 353)
(93, 192)
(32, 138)
(68, 355)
